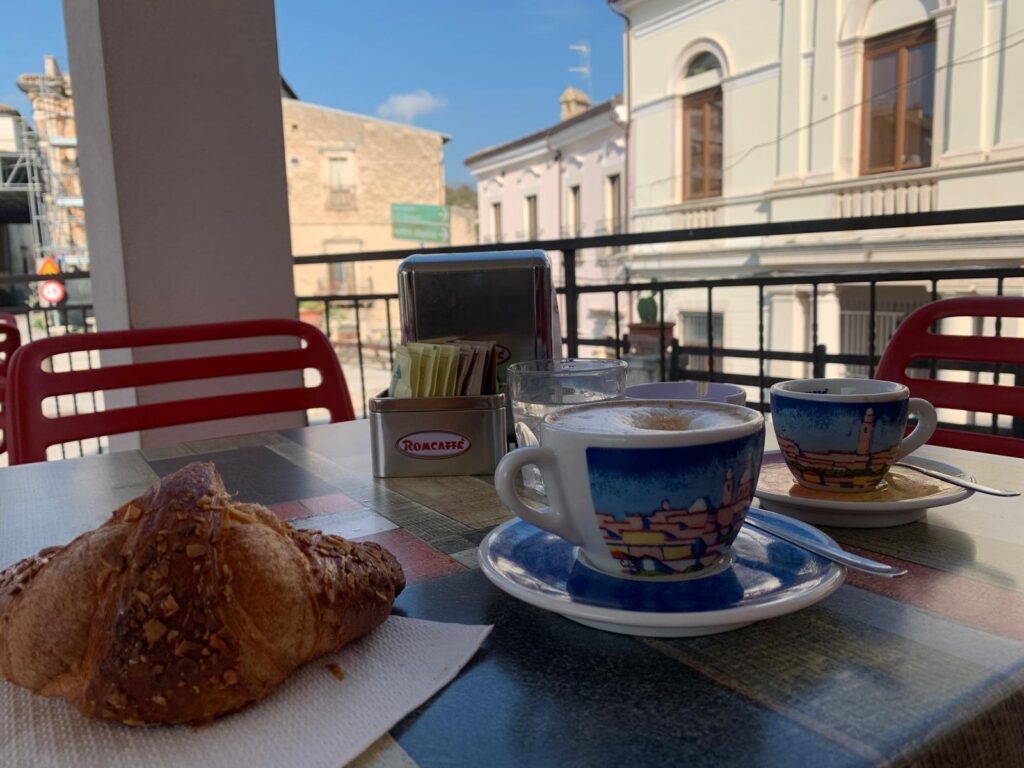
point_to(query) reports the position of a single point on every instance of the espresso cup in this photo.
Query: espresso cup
(644, 488)
(845, 434)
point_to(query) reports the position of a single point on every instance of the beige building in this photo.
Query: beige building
(344, 171)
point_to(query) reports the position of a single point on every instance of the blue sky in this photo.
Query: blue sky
(481, 71)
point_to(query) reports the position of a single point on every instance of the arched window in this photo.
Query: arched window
(899, 99)
(701, 63)
(702, 133)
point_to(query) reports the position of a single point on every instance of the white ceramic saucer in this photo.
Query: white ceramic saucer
(905, 497)
(766, 578)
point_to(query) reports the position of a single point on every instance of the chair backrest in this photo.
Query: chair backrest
(10, 340)
(29, 384)
(913, 341)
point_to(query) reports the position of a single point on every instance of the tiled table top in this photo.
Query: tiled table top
(924, 670)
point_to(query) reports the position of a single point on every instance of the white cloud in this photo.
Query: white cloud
(406, 107)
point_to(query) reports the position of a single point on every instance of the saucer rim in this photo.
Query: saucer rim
(939, 499)
(640, 620)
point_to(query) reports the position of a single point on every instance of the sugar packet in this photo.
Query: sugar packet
(402, 374)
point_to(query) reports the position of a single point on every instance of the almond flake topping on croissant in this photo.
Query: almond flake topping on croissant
(186, 605)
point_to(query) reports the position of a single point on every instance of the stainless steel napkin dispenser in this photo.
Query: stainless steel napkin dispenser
(506, 297)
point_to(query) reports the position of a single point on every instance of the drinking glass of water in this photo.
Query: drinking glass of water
(538, 387)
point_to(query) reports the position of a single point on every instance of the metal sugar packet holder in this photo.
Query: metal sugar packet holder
(423, 436)
(505, 297)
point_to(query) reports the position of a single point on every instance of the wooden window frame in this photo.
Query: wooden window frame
(576, 206)
(898, 42)
(615, 207)
(532, 217)
(700, 99)
(496, 222)
(334, 162)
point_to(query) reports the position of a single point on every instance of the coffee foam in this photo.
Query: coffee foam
(645, 419)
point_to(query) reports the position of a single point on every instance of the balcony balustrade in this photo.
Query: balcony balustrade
(914, 195)
(366, 347)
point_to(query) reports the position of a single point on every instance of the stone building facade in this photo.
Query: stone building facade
(344, 172)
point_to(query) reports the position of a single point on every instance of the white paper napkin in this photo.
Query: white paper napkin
(312, 719)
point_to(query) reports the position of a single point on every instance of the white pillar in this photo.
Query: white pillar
(787, 325)
(943, 61)
(791, 94)
(829, 320)
(178, 114)
(963, 142)
(848, 119)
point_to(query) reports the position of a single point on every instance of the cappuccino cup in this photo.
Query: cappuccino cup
(645, 488)
(845, 434)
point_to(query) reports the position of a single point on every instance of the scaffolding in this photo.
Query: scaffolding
(16, 159)
(14, 163)
(55, 194)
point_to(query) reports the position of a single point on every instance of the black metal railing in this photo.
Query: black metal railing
(671, 356)
(342, 314)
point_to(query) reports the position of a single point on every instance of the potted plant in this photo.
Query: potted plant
(646, 336)
(312, 312)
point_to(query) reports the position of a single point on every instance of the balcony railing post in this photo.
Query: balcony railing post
(819, 361)
(760, 345)
(814, 315)
(711, 337)
(571, 301)
(359, 356)
(673, 361)
(872, 330)
(618, 327)
(391, 343)
(661, 336)
(1017, 425)
(997, 371)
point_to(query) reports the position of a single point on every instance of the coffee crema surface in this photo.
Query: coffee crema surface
(625, 419)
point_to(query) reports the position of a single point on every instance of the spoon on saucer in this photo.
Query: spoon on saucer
(963, 482)
(762, 521)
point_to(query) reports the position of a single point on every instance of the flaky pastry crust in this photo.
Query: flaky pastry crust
(186, 605)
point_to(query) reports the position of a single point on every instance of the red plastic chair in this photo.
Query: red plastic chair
(10, 340)
(31, 432)
(914, 341)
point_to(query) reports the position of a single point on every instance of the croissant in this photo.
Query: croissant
(186, 605)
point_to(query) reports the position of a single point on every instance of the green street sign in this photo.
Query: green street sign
(425, 223)
(426, 233)
(419, 214)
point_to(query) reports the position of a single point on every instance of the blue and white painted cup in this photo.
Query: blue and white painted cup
(845, 434)
(644, 488)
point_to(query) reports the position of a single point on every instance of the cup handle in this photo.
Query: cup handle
(554, 518)
(927, 420)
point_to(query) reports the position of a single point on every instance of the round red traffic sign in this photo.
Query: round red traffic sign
(52, 291)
